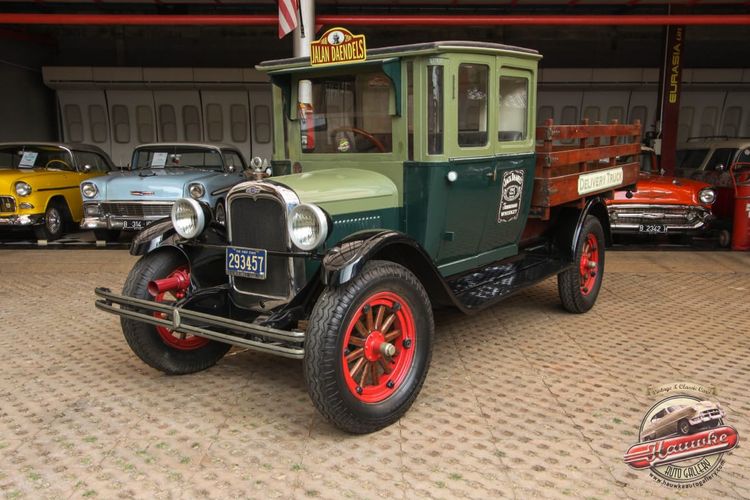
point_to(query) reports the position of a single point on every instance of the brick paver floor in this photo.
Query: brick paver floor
(522, 400)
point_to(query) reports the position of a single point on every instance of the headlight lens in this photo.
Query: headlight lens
(707, 196)
(188, 218)
(23, 189)
(89, 189)
(308, 226)
(196, 190)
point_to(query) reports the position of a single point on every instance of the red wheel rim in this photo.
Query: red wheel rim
(378, 347)
(180, 341)
(589, 265)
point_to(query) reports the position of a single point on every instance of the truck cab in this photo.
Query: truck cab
(409, 179)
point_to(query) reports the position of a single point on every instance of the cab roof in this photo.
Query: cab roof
(415, 49)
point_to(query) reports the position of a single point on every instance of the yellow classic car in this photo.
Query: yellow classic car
(40, 184)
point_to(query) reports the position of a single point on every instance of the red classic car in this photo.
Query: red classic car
(661, 204)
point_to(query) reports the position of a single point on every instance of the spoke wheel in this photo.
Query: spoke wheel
(589, 264)
(181, 341)
(378, 347)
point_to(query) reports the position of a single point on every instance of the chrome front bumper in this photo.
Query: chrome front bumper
(288, 344)
(21, 220)
(136, 211)
(684, 219)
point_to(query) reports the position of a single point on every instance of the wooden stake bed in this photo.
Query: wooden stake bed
(578, 161)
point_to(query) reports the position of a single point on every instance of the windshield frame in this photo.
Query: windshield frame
(24, 147)
(172, 150)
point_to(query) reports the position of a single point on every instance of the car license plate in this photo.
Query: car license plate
(134, 224)
(652, 228)
(246, 262)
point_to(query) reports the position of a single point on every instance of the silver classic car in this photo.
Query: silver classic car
(682, 419)
(158, 175)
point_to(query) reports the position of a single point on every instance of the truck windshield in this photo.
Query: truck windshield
(49, 157)
(350, 114)
(165, 157)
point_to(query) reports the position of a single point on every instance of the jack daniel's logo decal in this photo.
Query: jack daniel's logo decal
(511, 193)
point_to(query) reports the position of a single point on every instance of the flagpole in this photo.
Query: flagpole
(305, 32)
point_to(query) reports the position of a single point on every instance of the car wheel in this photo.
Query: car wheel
(158, 346)
(220, 214)
(368, 347)
(684, 427)
(107, 235)
(54, 222)
(579, 286)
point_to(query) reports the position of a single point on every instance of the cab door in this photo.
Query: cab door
(514, 161)
(471, 162)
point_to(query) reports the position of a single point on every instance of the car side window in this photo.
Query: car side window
(513, 111)
(721, 156)
(473, 83)
(96, 161)
(233, 159)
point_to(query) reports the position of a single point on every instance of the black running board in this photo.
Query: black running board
(484, 287)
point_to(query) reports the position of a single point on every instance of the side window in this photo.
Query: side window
(191, 123)
(232, 158)
(121, 123)
(473, 83)
(95, 161)
(73, 122)
(435, 110)
(167, 123)
(144, 118)
(238, 122)
(721, 157)
(513, 120)
(262, 123)
(214, 122)
(98, 123)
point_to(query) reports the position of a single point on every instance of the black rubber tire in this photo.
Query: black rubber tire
(568, 282)
(143, 338)
(54, 223)
(683, 427)
(323, 347)
(108, 235)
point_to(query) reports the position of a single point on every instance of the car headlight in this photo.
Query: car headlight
(23, 188)
(308, 226)
(188, 217)
(196, 190)
(91, 209)
(707, 196)
(89, 189)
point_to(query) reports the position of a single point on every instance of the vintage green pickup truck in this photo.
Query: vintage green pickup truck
(412, 180)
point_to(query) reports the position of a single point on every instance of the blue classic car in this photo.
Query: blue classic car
(158, 175)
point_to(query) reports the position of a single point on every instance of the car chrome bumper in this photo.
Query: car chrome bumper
(678, 219)
(21, 220)
(112, 222)
(288, 344)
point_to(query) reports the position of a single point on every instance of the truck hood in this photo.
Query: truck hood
(663, 190)
(156, 184)
(37, 178)
(343, 190)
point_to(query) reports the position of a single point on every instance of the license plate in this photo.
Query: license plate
(652, 228)
(246, 262)
(134, 224)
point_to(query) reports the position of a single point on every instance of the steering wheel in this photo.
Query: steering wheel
(358, 131)
(53, 161)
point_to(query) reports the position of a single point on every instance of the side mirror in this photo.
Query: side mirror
(720, 167)
(231, 169)
(87, 168)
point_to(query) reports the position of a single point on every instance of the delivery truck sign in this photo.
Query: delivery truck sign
(600, 180)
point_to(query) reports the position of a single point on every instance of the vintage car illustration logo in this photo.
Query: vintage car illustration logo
(682, 441)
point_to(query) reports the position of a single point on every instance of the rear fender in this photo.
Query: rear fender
(347, 259)
(570, 222)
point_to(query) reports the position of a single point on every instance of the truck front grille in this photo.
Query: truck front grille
(260, 222)
(137, 209)
(7, 204)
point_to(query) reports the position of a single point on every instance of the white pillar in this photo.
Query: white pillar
(307, 24)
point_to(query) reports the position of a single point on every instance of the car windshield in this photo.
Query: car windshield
(177, 157)
(348, 114)
(24, 157)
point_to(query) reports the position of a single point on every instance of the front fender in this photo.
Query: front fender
(347, 259)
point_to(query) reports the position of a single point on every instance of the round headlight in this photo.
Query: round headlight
(707, 196)
(89, 189)
(188, 217)
(308, 226)
(23, 189)
(196, 190)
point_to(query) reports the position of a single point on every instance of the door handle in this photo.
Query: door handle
(492, 175)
